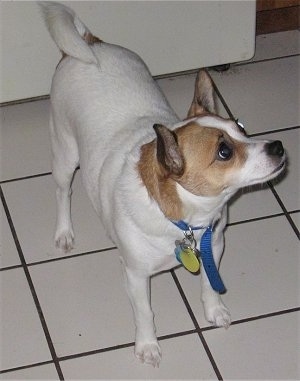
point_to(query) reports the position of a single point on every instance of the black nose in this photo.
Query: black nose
(275, 148)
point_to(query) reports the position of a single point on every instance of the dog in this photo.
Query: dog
(152, 178)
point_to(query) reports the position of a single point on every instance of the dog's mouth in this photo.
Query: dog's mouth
(279, 168)
(271, 175)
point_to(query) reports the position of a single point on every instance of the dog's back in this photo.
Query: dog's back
(102, 94)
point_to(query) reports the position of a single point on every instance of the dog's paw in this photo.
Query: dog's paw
(148, 353)
(217, 314)
(64, 240)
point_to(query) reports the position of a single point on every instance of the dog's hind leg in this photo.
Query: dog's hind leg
(65, 161)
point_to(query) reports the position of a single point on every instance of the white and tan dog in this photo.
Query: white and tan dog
(104, 105)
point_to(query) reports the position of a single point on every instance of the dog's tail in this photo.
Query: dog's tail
(69, 33)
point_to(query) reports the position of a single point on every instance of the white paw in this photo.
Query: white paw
(217, 314)
(65, 240)
(148, 353)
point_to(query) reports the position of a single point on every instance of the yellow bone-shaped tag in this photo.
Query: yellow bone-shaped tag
(188, 258)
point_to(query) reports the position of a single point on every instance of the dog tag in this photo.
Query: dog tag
(187, 256)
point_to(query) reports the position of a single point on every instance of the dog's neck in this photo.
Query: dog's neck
(202, 210)
(175, 202)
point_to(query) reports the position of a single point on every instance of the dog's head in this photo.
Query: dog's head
(209, 155)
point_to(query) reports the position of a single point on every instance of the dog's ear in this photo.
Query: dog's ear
(167, 151)
(204, 97)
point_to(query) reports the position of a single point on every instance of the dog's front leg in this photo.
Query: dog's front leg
(146, 346)
(215, 310)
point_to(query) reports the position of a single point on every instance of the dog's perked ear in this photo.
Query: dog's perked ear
(204, 96)
(168, 152)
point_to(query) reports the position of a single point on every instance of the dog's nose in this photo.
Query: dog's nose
(275, 148)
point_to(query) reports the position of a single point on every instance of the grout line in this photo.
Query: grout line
(25, 178)
(65, 257)
(261, 218)
(217, 91)
(255, 219)
(25, 100)
(34, 365)
(258, 317)
(59, 258)
(160, 338)
(71, 256)
(195, 322)
(13, 267)
(96, 351)
(182, 333)
(125, 345)
(31, 286)
(177, 334)
(267, 315)
(294, 211)
(287, 215)
(274, 131)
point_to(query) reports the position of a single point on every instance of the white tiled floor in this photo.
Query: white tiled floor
(68, 317)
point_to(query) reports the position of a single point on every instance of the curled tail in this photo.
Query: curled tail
(69, 33)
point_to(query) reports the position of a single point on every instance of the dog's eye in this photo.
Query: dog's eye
(224, 152)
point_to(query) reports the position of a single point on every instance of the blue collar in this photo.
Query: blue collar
(206, 254)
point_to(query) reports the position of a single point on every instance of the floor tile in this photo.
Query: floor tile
(25, 137)
(253, 202)
(87, 308)
(183, 358)
(258, 256)
(22, 337)
(42, 372)
(34, 200)
(261, 349)
(263, 96)
(8, 252)
(289, 187)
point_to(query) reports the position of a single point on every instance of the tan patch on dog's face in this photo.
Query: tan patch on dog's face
(207, 173)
